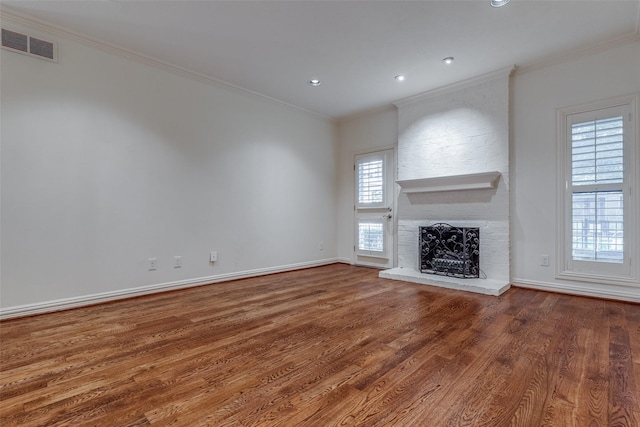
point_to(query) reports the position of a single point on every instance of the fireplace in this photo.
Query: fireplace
(446, 137)
(450, 251)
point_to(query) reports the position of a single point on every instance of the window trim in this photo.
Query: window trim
(566, 267)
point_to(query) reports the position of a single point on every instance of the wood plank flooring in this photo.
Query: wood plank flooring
(327, 346)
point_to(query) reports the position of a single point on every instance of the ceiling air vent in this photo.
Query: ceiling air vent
(33, 46)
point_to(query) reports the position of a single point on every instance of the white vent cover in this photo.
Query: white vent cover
(22, 43)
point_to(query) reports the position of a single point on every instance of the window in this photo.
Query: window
(597, 178)
(598, 168)
(371, 237)
(370, 181)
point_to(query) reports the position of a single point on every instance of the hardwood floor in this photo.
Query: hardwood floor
(328, 346)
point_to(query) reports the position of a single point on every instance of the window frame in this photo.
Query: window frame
(625, 273)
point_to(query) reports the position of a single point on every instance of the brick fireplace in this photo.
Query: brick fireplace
(453, 167)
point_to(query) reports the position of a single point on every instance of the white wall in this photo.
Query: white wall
(537, 94)
(374, 131)
(107, 162)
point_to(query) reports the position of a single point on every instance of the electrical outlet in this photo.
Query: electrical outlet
(177, 262)
(544, 260)
(213, 256)
(152, 264)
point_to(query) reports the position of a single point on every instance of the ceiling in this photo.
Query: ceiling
(355, 48)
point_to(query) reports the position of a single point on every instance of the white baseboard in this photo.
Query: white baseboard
(75, 302)
(588, 290)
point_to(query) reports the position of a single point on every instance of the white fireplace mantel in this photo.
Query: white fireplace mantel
(473, 181)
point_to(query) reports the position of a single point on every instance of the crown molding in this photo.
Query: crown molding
(365, 113)
(474, 81)
(578, 53)
(13, 16)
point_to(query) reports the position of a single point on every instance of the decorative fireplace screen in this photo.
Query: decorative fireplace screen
(451, 251)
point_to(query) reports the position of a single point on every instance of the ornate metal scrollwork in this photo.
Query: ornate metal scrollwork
(450, 251)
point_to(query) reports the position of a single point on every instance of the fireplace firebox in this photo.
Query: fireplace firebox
(450, 251)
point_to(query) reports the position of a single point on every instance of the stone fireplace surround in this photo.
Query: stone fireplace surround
(453, 167)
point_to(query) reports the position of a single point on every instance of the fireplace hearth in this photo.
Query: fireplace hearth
(450, 251)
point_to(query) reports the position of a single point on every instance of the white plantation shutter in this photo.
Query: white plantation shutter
(597, 155)
(598, 226)
(597, 178)
(370, 179)
(371, 236)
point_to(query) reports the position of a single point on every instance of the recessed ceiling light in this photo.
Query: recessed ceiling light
(400, 78)
(314, 82)
(499, 3)
(448, 60)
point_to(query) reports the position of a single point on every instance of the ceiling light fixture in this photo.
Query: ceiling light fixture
(314, 82)
(399, 78)
(448, 60)
(499, 3)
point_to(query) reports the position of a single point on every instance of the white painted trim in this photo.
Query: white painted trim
(372, 150)
(474, 81)
(365, 113)
(19, 18)
(344, 260)
(603, 291)
(370, 265)
(578, 53)
(474, 181)
(75, 302)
